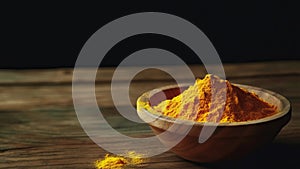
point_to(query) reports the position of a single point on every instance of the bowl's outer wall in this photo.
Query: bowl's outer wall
(227, 142)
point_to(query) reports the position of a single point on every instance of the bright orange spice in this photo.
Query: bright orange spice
(119, 162)
(196, 103)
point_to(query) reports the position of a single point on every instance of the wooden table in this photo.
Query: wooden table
(39, 127)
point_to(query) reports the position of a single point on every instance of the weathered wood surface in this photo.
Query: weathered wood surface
(39, 127)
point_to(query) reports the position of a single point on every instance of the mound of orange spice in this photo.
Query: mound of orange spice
(196, 103)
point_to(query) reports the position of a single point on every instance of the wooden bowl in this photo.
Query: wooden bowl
(229, 140)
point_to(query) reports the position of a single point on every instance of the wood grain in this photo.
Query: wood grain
(39, 127)
(64, 75)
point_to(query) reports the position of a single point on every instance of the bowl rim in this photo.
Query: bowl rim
(284, 111)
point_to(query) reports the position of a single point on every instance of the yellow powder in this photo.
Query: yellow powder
(195, 103)
(119, 162)
(110, 162)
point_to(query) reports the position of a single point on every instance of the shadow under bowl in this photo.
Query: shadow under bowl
(229, 140)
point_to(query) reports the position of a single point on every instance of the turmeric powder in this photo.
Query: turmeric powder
(110, 162)
(119, 162)
(195, 103)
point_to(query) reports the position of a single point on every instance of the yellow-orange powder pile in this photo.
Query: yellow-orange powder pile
(119, 162)
(195, 103)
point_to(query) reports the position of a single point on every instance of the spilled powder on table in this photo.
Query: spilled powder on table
(120, 162)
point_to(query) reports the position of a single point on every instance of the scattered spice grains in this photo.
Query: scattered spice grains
(119, 161)
(196, 103)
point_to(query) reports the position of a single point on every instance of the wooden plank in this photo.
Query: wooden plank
(53, 138)
(64, 75)
(31, 142)
(29, 97)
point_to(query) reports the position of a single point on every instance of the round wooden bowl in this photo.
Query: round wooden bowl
(229, 140)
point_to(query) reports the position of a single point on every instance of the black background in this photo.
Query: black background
(51, 34)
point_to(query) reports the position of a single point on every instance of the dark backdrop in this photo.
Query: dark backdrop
(51, 34)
